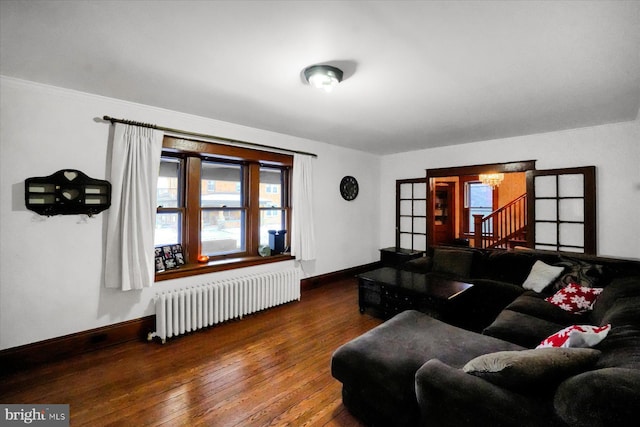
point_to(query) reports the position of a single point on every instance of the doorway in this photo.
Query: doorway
(465, 199)
(444, 213)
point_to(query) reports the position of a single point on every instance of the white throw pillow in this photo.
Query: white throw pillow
(541, 276)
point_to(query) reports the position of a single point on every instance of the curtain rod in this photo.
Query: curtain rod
(202, 135)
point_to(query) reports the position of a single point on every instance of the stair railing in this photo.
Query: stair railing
(502, 225)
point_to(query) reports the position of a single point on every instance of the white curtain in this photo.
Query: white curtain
(135, 161)
(303, 239)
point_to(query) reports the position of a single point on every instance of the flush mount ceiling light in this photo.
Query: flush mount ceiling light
(323, 76)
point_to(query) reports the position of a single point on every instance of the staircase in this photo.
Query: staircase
(503, 227)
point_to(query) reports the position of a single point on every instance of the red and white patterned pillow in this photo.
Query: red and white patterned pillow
(577, 336)
(575, 298)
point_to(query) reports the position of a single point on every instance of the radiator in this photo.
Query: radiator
(195, 307)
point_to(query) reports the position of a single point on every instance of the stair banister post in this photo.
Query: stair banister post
(477, 230)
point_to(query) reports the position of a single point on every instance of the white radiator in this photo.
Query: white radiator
(195, 307)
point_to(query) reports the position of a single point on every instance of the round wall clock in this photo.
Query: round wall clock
(349, 188)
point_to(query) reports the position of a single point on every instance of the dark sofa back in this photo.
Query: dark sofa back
(513, 266)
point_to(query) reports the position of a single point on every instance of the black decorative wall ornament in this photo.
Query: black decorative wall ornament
(67, 192)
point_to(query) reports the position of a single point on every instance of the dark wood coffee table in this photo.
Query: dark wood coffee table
(389, 291)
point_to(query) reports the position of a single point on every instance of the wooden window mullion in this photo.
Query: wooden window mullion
(192, 203)
(252, 194)
(286, 203)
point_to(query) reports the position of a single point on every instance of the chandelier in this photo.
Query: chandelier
(491, 179)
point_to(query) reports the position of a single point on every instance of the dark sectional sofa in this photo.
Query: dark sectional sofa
(409, 370)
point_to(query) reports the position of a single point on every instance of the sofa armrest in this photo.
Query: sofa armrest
(603, 397)
(418, 265)
(451, 397)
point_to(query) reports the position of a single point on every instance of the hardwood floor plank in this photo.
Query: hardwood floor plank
(269, 369)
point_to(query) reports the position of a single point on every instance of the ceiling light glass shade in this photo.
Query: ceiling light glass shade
(323, 76)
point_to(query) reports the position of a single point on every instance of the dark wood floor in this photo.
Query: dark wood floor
(268, 369)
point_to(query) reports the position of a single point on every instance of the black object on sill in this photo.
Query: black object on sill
(276, 241)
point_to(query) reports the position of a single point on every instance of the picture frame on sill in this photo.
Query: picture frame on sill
(159, 263)
(168, 257)
(170, 263)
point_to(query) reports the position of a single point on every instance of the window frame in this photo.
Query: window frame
(180, 208)
(193, 152)
(466, 219)
(284, 205)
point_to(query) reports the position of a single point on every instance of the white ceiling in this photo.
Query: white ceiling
(417, 74)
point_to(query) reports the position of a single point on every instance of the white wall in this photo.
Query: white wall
(614, 149)
(51, 268)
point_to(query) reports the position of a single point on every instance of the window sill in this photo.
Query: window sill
(219, 265)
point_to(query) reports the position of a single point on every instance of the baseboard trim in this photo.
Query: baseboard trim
(54, 349)
(309, 283)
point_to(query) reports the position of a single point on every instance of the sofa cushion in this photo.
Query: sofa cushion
(541, 276)
(575, 298)
(599, 398)
(418, 265)
(521, 328)
(380, 365)
(576, 336)
(450, 397)
(454, 262)
(534, 304)
(621, 349)
(527, 369)
(511, 267)
(626, 311)
(624, 287)
(398, 347)
(479, 305)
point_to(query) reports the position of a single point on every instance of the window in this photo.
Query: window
(273, 212)
(478, 201)
(272, 188)
(220, 201)
(223, 210)
(170, 202)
